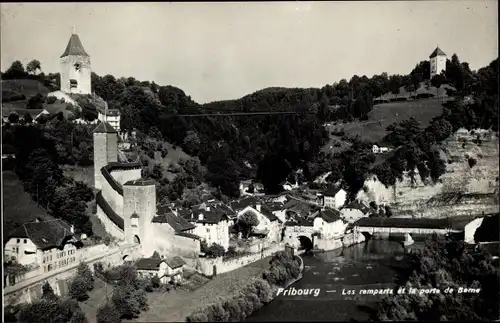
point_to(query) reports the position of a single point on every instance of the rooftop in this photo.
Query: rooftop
(104, 127)
(177, 223)
(358, 206)
(148, 263)
(332, 191)
(45, 234)
(437, 52)
(329, 215)
(140, 182)
(74, 47)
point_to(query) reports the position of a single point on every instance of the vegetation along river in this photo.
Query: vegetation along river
(374, 264)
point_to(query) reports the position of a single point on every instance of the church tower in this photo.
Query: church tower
(105, 150)
(75, 68)
(438, 62)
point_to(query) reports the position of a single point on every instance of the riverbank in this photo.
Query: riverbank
(250, 297)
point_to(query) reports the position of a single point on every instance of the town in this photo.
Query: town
(122, 216)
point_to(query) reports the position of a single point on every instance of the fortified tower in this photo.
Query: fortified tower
(139, 209)
(105, 150)
(75, 68)
(438, 62)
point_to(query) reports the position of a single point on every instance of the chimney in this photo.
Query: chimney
(207, 208)
(72, 229)
(257, 207)
(200, 217)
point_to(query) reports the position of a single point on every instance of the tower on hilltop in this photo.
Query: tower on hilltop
(438, 62)
(105, 150)
(75, 68)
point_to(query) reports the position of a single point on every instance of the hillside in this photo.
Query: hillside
(382, 115)
(25, 86)
(18, 207)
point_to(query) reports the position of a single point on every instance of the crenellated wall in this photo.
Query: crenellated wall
(167, 243)
(111, 227)
(112, 197)
(474, 189)
(210, 266)
(123, 176)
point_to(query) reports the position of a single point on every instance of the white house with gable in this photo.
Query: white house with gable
(333, 198)
(49, 244)
(329, 224)
(269, 223)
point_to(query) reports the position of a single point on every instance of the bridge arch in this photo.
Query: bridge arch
(137, 240)
(306, 242)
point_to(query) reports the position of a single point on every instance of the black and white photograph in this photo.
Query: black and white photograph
(259, 161)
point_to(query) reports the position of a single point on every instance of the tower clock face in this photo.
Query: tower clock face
(77, 66)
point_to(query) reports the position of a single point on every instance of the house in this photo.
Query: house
(380, 150)
(168, 269)
(287, 186)
(333, 197)
(112, 116)
(269, 224)
(354, 211)
(249, 187)
(211, 224)
(328, 224)
(50, 244)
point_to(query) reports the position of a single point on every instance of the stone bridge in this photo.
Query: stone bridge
(400, 226)
(30, 289)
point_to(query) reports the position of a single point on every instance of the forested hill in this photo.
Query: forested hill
(264, 147)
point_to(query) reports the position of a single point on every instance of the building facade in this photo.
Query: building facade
(437, 61)
(75, 68)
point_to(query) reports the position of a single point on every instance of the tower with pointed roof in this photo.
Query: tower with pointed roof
(438, 62)
(105, 150)
(75, 68)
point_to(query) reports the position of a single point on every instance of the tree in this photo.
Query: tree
(48, 293)
(89, 111)
(108, 313)
(36, 102)
(78, 317)
(27, 118)
(215, 251)
(78, 289)
(85, 273)
(155, 281)
(13, 118)
(247, 221)
(16, 70)
(438, 80)
(33, 66)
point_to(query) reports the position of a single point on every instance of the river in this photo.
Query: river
(374, 264)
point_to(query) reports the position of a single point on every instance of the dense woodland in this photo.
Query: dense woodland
(445, 263)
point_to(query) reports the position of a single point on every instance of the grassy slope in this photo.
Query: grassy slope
(175, 307)
(25, 86)
(385, 114)
(18, 207)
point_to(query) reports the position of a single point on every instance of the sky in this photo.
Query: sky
(219, 51)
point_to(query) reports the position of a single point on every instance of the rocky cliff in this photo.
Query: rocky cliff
(469, 186)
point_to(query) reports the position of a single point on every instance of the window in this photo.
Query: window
(149, 203)
(208, 230)
(25, 240)
(18, 240)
